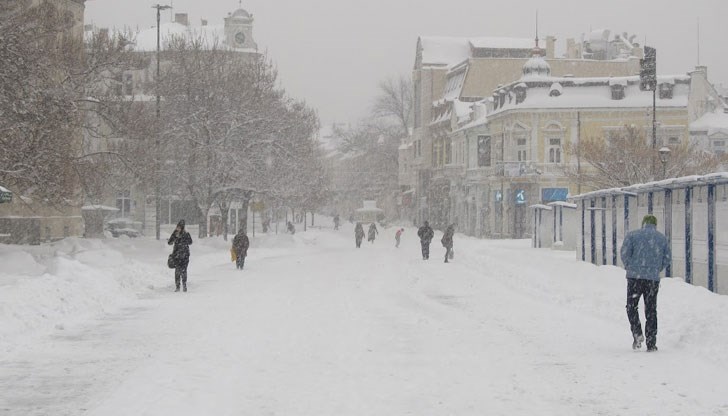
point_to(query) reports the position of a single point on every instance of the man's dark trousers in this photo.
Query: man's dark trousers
(647, 289)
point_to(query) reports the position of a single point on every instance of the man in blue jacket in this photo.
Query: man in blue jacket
(645, 253)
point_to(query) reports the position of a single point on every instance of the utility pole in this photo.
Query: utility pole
(648, 82)
(157, 186)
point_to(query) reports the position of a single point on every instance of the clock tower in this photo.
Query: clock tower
(239, 30)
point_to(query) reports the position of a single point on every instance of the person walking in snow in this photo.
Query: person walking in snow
(291, 228)
(426, 235)
(241, 243)
(337, 221)
(645, 253)
(181, 240)
(372, 233)
(447, 241)
(358, 234)
(398, 236)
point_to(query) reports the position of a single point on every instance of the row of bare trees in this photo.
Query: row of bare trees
(228, 131)
(628, 158)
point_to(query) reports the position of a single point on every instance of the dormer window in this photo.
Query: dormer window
(666, 91)
(617, 92)
(521, 91)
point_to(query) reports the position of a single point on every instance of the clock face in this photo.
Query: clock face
(240, 38)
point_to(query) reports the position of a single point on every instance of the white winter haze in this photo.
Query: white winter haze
(333, 53)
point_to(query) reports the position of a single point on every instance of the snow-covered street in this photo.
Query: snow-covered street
(314, 326)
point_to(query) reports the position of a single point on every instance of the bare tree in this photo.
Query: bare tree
(394, 101)
(230, 133)
(626, 159)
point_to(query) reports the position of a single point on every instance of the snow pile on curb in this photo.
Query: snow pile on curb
(49, 287)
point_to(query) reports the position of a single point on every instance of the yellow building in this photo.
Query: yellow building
(450, 74)
(511, 150)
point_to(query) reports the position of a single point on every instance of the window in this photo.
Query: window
(123, 203)
(666, 91)
(554, 150)
(674, 140)
(484, 151)
(448, 151)
(128, 84)
(617, 92)
(521, 148)
(719, 143)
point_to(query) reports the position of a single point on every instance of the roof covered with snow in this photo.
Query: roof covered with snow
(146, 39)
(592, 93)
(713, 122)
(447, 51)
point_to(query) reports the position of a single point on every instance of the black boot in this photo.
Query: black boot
(177, 289)
(184, 287)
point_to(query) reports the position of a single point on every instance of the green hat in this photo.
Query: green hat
(649, 219)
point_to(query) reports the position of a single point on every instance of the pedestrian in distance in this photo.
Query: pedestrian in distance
(447, 241)
(372, 233)
(358, 234)
(645, 254)
(426, 235)
(241, 243)
(181, 240)
(291, 228)
(337, 221)
(398, 236)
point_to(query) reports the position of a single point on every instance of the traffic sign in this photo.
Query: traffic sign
(520, 196)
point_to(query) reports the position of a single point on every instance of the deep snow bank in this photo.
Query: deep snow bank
(49, 287)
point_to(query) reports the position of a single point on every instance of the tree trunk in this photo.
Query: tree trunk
(303, 216)
(244, 217)
(312, 219)
(224, 212)
(203, 222)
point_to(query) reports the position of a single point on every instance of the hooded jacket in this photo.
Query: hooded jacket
(182, 242)
(645, 253)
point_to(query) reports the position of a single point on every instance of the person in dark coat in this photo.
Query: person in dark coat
(426, 235)
(181, 254)
(372, 233)
(241, 243)
(337, 221)
(645, 253)
(447, 241)
(291, 228)
(358, 234)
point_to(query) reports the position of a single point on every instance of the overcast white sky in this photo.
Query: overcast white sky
(332, 53)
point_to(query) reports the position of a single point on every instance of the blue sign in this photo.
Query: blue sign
(498, 196)
(554, 194)
(520, 196)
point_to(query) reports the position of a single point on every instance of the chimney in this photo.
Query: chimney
(204, 22)
(182, 19)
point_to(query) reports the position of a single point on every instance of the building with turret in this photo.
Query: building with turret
(450, 74)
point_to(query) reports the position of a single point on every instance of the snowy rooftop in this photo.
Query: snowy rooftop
(146, 40)
(445, 51)
(593, 93)
(713, 122)
(672, 183)
(3, 189)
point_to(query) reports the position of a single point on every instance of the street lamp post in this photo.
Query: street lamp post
(664, 157)
(157, 187)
